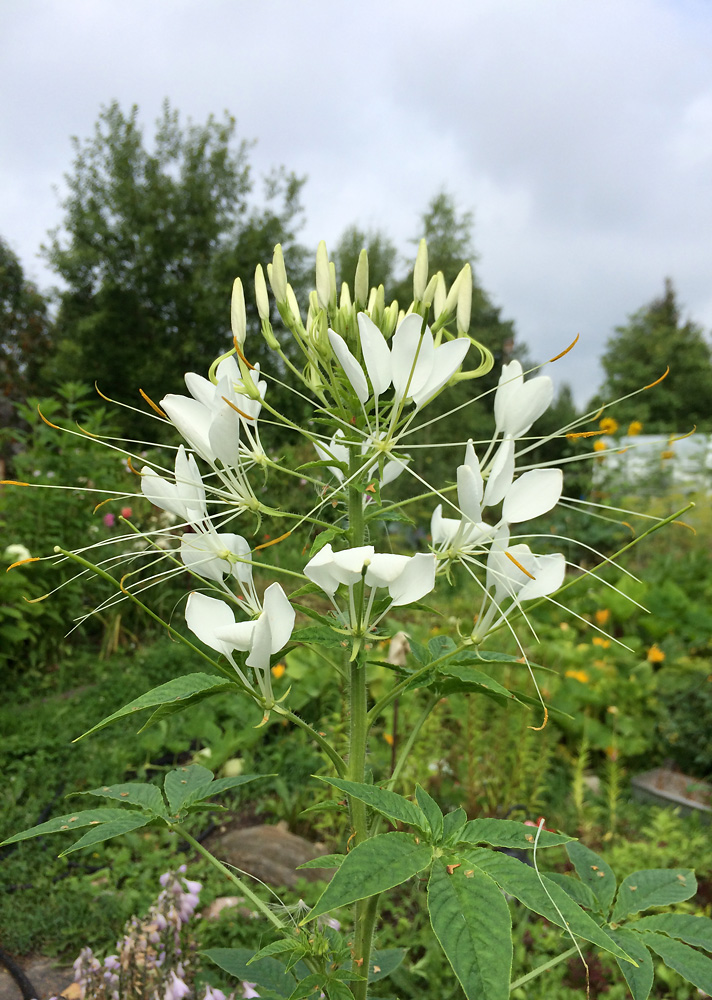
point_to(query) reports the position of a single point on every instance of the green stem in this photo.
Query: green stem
(398, 688)
(258, 903)
(542, 968)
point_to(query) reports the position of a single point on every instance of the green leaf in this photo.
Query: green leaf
(71, 821)
(574, 887)
(543, 896)
(307, 987)
(222, 785)
(439, 645)
(186, 785)
(432, 813)
(180, 689)
(325, 861)
(471, 920)
(336, 990)
(464, 678)
(483, 656)
(135, 793)
(391, 805)
(653, 887)
(453, 823)
(693, 930)
(373, 866)
(508, 833)
(320, 635)
(106, 831)
(640, 980)
(267, 972)
(593, 872)
(384, 961)
(323, 537)
(691, 965)
(420, 652)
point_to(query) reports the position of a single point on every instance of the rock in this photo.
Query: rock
(47, 977)
(269, 853)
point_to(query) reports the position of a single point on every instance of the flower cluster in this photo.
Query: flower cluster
(152, 958)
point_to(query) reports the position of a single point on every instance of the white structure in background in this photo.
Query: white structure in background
(684, 463)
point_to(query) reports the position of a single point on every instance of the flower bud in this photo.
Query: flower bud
(261, 296)
(278, 276)
(429, 293)
(440, 294)
(293, 305)
(323, 278)
(464, 300)
(361, 280)
(345, 300)
(420, 272)
(238, 319)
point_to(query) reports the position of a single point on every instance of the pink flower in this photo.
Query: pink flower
(109, 520)
(126, 511)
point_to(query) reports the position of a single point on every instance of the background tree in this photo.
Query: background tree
(25, 340)
(149, 247)
(638, 353)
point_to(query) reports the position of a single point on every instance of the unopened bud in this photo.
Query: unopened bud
(371, 302)
(440, 294)
(323, 279)
(464, 300)
(430, 289)
(390, 319)
(268, 334)
(293, 305)
(453, 295)
(238, 319)
(420, 272)
(278, 276)
(345, 300)
(361, 279)
(261, 296)
(332, 283)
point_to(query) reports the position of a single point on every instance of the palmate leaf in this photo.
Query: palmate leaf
(71, 821)
(391, 805)
(177, 693)
(575, 888)
(508, 833)
(640, 980)
(135, 793)
(693, 965)
(653, 887)
(693, 930)
(372, 867)
(471, 920)
(185, 785)
(132, 820)
(543, 896)
(593, 872)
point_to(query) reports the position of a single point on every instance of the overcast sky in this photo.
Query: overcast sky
(578, 131)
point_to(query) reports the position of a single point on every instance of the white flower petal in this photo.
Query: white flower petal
(532, 495)
(281, 616)
(501, 474)
(376, 354)
(205, 617)
(517, 404)
(320, 570)
(352, 369)
(469, 493)
(192, 421)
(224, 435)
(349, 563)
(548, 572)
(384, 568)
(443, 529)
(410, 373)
(441, 366)
(416, 580)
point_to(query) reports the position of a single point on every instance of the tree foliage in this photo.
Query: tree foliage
(151, 241)
(655, 338)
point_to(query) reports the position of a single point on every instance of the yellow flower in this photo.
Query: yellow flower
(598, 640)
(634, 428)
(601, 616)
(608, 425)
(388, 737)
(667, 454)
(599, 445)
(278, 670)
(655, 654)
(578, 675)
